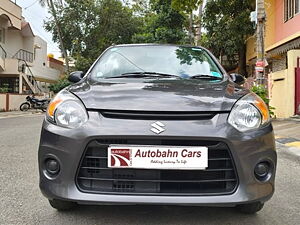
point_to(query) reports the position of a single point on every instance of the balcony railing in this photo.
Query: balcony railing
(24, 55)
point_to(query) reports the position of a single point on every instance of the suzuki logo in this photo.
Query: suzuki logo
(157, 127)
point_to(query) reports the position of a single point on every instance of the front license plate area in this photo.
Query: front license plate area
(158, 157)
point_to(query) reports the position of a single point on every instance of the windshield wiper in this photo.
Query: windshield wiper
(142, 74)
(205, 76)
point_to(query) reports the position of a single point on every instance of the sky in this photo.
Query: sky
(35, 15)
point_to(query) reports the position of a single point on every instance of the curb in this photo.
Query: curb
(289, 142)
(292, 145)
(4, 115)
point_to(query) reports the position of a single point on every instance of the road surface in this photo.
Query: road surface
(22, 203)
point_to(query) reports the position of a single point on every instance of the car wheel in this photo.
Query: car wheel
(250, 208)
(24, 106)
(62, 205)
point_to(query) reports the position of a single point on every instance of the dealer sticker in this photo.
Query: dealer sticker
(157, 157)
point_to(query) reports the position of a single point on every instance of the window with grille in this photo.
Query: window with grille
(291, 7)
(297, 6)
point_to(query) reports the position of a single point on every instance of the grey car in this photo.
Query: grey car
(161, 125)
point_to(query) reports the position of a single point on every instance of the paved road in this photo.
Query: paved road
(22, 203)
(287, 128)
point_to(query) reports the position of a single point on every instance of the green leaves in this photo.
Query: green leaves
(186, 5)
(60, 84)
(90, 26)
(262, 92)
(4, 88)
(161, 24)
(228, 25)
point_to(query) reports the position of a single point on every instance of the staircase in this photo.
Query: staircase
(22, 58)
(29, 78)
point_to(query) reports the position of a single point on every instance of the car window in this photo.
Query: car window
(179, 61)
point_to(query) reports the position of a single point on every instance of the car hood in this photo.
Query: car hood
(158, 95)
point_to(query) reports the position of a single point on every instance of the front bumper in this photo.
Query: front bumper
(68, 146)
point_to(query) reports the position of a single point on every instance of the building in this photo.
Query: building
(282, 46)
(24, 65)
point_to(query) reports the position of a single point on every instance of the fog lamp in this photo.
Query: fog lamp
(262, 171)
(52, 166)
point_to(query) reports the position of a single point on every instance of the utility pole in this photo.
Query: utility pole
(199, 26)
(260, 41)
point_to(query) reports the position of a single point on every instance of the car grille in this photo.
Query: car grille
(155, 115)
(94, 176)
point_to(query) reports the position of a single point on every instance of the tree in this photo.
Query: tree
(228, 26)
(60, 84)
(53, 12)
(187, 7)
(161, 24)
(89, 27)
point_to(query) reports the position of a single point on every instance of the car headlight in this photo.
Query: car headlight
(248, 113)
(66, 110)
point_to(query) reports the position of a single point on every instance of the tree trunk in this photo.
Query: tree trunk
(199, 32)
(242, 60)
(59, 33)
(191, 33)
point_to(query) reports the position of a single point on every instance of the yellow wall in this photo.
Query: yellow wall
(250, 48)
(270, 8)
(282, 92)
(269, 31)
(282, 87)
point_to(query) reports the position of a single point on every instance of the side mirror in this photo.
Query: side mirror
(237, 78)
(76, 76)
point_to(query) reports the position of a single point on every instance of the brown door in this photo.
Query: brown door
(297, 88)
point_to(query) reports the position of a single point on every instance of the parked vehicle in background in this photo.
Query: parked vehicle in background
(157, 124)
(34, 103)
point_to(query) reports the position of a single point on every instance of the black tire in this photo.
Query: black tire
(24, 107)
(62, 205)
(250, 208)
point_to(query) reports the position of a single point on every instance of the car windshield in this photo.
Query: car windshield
(184, 62)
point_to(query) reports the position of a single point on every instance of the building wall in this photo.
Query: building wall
(282, 90)
(278, 31)
(270, 7)
(277, 89)
(14, 42)
(2, 102)
(271, 16)
(250, 48)
(13, 11)
(40, 69)
(279, 63)
(28, 43)
(40, 52)
(14, 101)
(56, 64)
(42, 73)
(285, 29)
(19, 36)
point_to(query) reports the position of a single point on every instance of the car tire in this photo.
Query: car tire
(62, 205)
(250, 208)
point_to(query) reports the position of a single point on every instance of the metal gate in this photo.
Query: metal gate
(297, 87)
